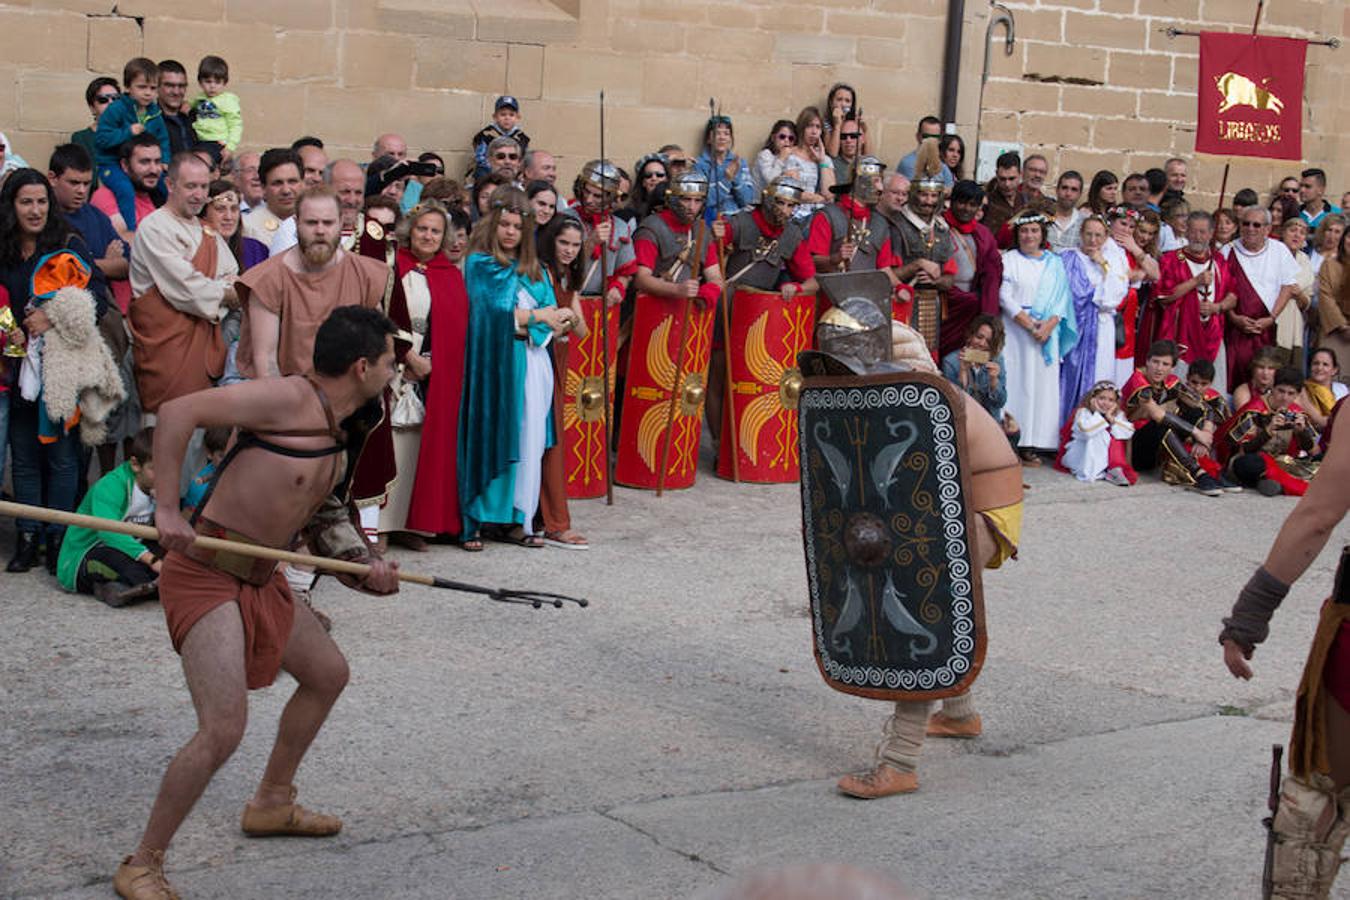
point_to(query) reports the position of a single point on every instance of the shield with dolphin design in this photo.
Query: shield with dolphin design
(896, 606)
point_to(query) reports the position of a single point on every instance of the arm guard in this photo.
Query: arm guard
(1249, 623)
(335, 531)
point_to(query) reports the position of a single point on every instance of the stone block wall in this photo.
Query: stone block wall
(1098, 84)
(350, 69)
(1092, 83)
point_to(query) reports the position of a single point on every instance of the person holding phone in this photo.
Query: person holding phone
(977, 368)
(1266, 443)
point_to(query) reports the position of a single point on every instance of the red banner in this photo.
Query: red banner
(1251, 96)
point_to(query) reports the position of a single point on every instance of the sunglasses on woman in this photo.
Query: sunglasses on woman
(105, 99)
(787, 138)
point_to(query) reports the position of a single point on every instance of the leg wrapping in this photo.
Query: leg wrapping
(962, 706)
(903, 735)
(1310, 829)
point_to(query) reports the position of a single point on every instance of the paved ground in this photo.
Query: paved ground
(677, 732)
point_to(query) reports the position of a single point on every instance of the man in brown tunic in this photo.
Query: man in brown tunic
(181, 276)
(286, 298)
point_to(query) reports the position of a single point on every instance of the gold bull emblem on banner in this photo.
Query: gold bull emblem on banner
(1239, 90)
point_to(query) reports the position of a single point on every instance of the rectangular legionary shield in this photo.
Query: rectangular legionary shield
(584, 413)
(657, 367)
(767, 333)
(896, 606)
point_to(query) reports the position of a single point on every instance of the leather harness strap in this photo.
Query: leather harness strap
(245, 439)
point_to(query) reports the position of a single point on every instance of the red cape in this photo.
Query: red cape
(435, 497)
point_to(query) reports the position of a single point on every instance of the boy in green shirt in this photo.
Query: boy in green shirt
(115, 568)
(217, 115)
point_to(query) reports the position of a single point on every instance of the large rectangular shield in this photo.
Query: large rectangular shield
(654, 356)
(767, 333)
(896, 606)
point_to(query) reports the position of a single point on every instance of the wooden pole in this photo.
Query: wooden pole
(726, 358)
(146, 533)
(695, 268)
(1256, 24)
(604, 316)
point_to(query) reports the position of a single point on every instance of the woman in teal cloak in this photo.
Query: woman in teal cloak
(507, 413)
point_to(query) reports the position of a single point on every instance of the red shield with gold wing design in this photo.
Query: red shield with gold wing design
(658, 369)
(767, 333)
(584, 414)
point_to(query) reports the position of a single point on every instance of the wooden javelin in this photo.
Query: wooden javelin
(605, 399)
(730, 391)
(147, 533)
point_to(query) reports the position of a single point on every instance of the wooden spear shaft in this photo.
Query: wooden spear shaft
(147, 533)
(605, 399)
(730, 391)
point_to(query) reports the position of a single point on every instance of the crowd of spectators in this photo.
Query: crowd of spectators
(1133, 328)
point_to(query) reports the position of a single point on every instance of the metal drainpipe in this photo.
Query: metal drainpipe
(951, 62)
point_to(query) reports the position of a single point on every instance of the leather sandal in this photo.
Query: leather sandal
(941, 725)
(144, 882)
(883, 781)
(287, 819)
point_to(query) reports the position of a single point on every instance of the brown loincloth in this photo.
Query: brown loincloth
(1323, 673)
(189, 590)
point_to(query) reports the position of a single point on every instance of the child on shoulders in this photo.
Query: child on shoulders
(505, 123)
(217, 116)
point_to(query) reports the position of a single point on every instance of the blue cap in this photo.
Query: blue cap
(506, 100)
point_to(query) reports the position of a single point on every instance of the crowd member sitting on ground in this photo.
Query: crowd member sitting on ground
(1321, 390)
(116, 568)
(1264, 365)
(1153, 399)
(1266, 443)
(1200, 378)
(1096, 436)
